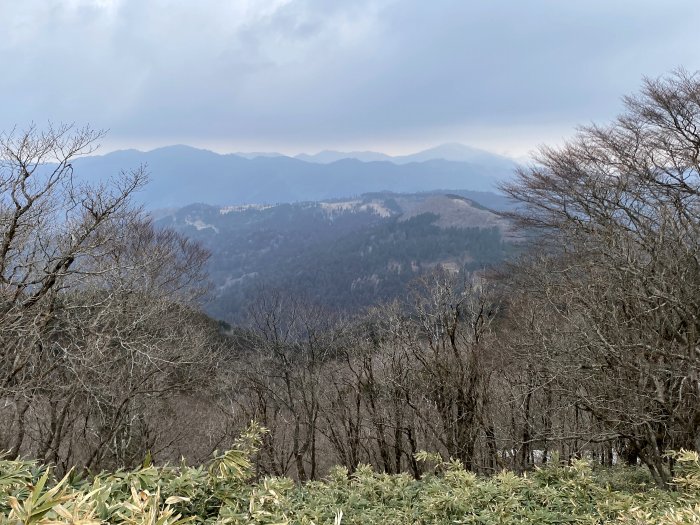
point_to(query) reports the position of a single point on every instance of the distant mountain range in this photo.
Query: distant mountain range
(453, 152)
(181, 175)
(345, 253)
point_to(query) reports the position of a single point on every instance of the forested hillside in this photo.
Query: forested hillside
(369, 262)
(343, 254)
(578, 355)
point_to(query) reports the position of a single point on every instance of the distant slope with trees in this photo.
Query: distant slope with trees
(344, 254)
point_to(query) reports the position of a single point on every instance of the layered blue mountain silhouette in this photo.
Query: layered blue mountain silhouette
(180, 175)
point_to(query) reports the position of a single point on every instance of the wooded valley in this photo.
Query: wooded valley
(586, 345)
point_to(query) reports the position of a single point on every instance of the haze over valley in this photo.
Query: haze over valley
(324, 226)
(182, 175)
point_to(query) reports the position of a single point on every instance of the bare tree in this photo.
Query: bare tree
(97, 316)
(621, 202)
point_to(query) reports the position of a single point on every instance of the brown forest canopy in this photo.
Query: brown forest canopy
(96, 306)
(587, 346)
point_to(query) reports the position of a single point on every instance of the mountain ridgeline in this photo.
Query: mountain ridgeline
(345, 254)
(181, 175)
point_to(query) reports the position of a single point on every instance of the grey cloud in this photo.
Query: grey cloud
(314, 73)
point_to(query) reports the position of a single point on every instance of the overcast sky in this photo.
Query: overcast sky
(305, 75)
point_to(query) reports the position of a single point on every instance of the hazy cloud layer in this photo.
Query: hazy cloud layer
(311, 74)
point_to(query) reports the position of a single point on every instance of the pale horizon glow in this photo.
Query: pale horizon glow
(490, 140)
